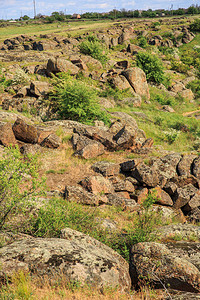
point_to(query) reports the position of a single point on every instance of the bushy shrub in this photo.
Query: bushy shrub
(94, 48)
(19, 181)
(4, 83)
(195, 87)
(179, 66)
(195, 26)
(142, 42)
(151, 65)
(164, 100)
(77, 101)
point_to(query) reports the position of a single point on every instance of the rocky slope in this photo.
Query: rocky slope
(121, 169)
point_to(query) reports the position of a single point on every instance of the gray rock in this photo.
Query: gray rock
(185, 165)
(79, 195)
(106, 168)
(74, 257)
(27, 149)
(196, 167)
(117, 200)
(51, 141)
(145, 175)
(183, 195)
(156, 264)
(185, 231)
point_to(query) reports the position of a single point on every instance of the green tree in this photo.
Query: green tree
(19, 181)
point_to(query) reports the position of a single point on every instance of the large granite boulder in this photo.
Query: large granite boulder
(56, 65)
(137, 79)
(74, 257)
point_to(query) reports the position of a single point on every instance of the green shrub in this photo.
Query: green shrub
(164, 100)
(58, 214)
(195, 87)
(77, 101)
(142, 42)
(151, 65)
(195, 26)
(179, 66)
(15, 172)
(94, 48)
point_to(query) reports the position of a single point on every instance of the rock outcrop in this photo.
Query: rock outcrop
(74, 257)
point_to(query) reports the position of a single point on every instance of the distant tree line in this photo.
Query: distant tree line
(116, 14)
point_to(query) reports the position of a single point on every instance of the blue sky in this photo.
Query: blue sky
(14, 8)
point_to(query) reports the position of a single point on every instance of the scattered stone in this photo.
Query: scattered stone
(163, 198)
(117, 200)
(129, 165)
(168, 108)
(170, 188)
(196, 167)
(183, 180)
(183, 231)
(106, 168)
(51, 141)
(187, 94)
(193, 203)
(141, 195)
(194, 215)
(79, 195)
(97, 185)
(39, 88)
(145, 175)
(185, 165)
(24, 132)
(7, 137)
(56, 65)
(122, 185)
(28, 149)
(183, 195)
(124, 139)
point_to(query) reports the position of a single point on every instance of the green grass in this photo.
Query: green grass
(189, 46)
(161, 126)
(57, 27)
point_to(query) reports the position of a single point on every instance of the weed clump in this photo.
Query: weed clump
(20, 77)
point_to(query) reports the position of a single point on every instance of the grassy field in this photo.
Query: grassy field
(62, 28)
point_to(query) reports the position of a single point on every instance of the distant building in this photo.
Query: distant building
(76, 16)
(12, 21)
(42, 17)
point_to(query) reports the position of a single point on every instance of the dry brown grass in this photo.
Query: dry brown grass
(27, 288)
(73, 169)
